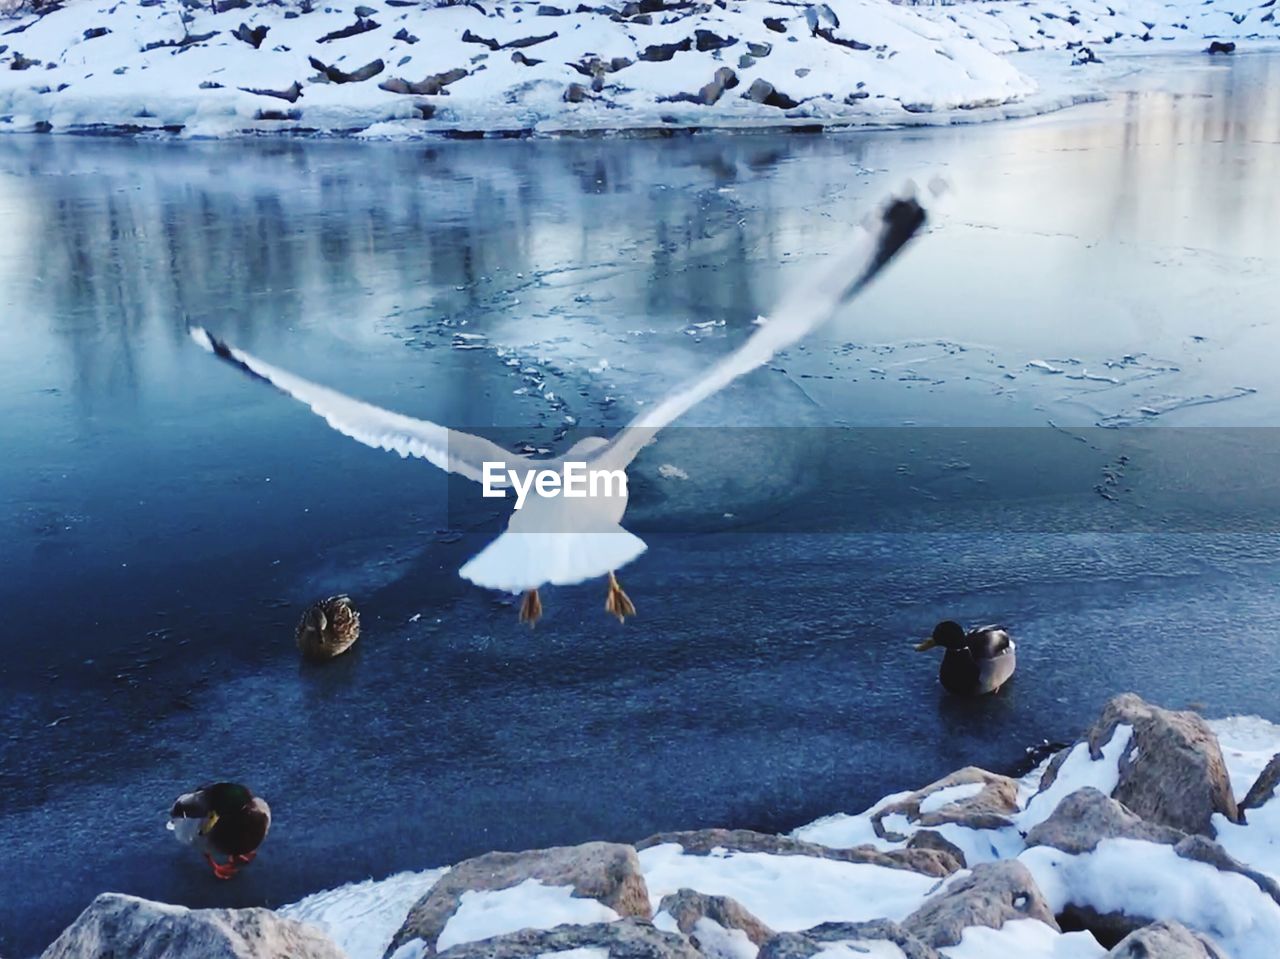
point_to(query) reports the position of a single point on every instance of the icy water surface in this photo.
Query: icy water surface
(166, 520)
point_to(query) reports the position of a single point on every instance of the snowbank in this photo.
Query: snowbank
(397, 68)
(798, 892)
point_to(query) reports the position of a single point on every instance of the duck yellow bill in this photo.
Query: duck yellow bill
(210, 821)
(926, 645)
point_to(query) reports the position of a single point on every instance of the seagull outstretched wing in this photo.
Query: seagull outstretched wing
(451, 450)
(808, 305)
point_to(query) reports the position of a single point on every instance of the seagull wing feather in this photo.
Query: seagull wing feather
(807, 307)
(452, 450)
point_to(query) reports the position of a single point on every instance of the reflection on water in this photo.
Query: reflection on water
(167, 519)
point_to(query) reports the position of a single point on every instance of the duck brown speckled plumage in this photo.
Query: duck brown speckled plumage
(328, 628)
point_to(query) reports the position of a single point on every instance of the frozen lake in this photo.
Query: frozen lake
(1116, 265)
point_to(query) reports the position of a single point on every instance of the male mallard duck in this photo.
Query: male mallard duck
(977, 662)
(328, 628)
(222, 819)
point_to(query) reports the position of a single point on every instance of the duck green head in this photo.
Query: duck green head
(948, 634)
(226, 798)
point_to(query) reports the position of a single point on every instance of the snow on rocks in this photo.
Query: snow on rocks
(503, 892)
(969, 813)
(1251, 747)
(788, 892)
(1087, 821)
(1168, 940)
(849, 940)
(202, 70)
(990, 895)
(118, 925)
(1062, 848)
(718, 926)
(719, 842)
(361, 917)
(626, 939)
(1172, 773)
(1025, 939)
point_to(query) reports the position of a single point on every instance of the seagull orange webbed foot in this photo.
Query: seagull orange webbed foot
(531, 608)
(617, 603)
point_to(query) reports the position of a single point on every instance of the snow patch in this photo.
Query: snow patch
(788, 893)
(1025, 939)
(483, 914)
(362, 917)
(1077, 771)
(945, 797)
(1151, 880)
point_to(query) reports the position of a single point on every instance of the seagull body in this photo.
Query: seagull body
(561, 540)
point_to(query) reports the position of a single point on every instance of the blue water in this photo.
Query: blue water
(166, 520)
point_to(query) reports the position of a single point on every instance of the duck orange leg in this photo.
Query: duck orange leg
(222, 870)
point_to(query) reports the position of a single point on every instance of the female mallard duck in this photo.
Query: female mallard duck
(222, 819)
(328, 628)
(977, 662)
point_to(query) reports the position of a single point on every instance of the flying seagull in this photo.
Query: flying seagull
(563, 541)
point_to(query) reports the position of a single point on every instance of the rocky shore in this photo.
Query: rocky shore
(1157, 834)
(403, 68)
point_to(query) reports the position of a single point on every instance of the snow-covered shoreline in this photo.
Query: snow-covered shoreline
(401, 69)
(1134, 867)
(1155, 834)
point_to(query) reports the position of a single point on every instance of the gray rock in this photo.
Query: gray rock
(253, 37)
(1088, 816)
(360, 26)
(687, 907)
(121, 926)
(1264, 789)
(430, 86)
(605, 871)
(700, 842)
(706, 40)
(762, 91)
(928, 839)
(724, 79)
(991, 808)
(1165, 940)
(993, 894)
(759, 50)
(661, 52)
(332, 74)
(292, 93)
(626, 939)
(1172, 774)
(802, 945)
